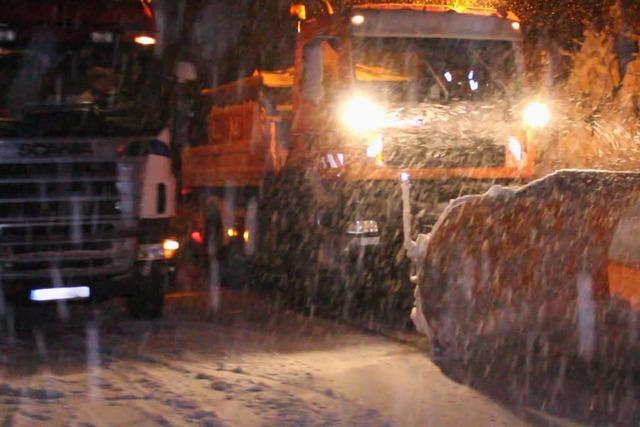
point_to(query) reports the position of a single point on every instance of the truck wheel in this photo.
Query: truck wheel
(147, 298)
(213, 232)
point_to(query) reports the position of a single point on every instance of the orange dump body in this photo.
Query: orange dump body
(470, 10)
(243, 141)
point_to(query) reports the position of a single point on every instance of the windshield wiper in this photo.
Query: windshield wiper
(437, 77)
(497, 82)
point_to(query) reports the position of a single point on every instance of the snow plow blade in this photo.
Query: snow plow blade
(557, 261)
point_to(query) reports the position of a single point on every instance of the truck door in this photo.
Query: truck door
(320, 74)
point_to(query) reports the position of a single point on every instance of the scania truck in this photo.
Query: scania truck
(86, 185)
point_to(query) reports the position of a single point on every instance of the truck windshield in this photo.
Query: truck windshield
(118, 85)
(412, 69)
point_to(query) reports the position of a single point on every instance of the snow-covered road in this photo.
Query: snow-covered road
(235, 368)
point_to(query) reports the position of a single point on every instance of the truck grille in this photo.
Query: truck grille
(67, 215)
(424, 152)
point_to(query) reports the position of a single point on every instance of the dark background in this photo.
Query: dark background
(228, 39)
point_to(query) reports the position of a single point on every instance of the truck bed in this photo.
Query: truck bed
(246, 135)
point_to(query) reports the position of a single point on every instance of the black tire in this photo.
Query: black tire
(227, 265)
(146, 300)
(214, 259)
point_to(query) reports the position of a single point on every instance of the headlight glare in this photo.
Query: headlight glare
(361, 115)
(537, 115)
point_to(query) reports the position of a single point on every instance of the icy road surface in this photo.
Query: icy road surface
(101, 368)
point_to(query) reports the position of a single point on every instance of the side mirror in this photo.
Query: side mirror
(185, 72)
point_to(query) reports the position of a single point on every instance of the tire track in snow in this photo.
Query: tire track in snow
(276, 393)
(170, 399)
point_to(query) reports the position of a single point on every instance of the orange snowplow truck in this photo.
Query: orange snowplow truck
(304, 164)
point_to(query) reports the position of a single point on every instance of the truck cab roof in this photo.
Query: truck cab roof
(434, 21)
(402, 20)
(437, 8)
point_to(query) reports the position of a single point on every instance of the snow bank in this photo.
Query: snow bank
(516, 260)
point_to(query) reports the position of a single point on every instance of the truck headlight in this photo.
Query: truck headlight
(170, 245)
(537, 115)
(169, 248)
(362, 227)
(361, 115)
(157, 251)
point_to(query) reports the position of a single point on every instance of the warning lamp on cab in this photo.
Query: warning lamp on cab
(357, 19)
(299, 11)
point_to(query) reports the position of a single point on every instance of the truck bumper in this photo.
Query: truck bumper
(381, 255)
(88, 287)
(374, 257)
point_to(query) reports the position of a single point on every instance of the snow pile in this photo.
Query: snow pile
(532, 259)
